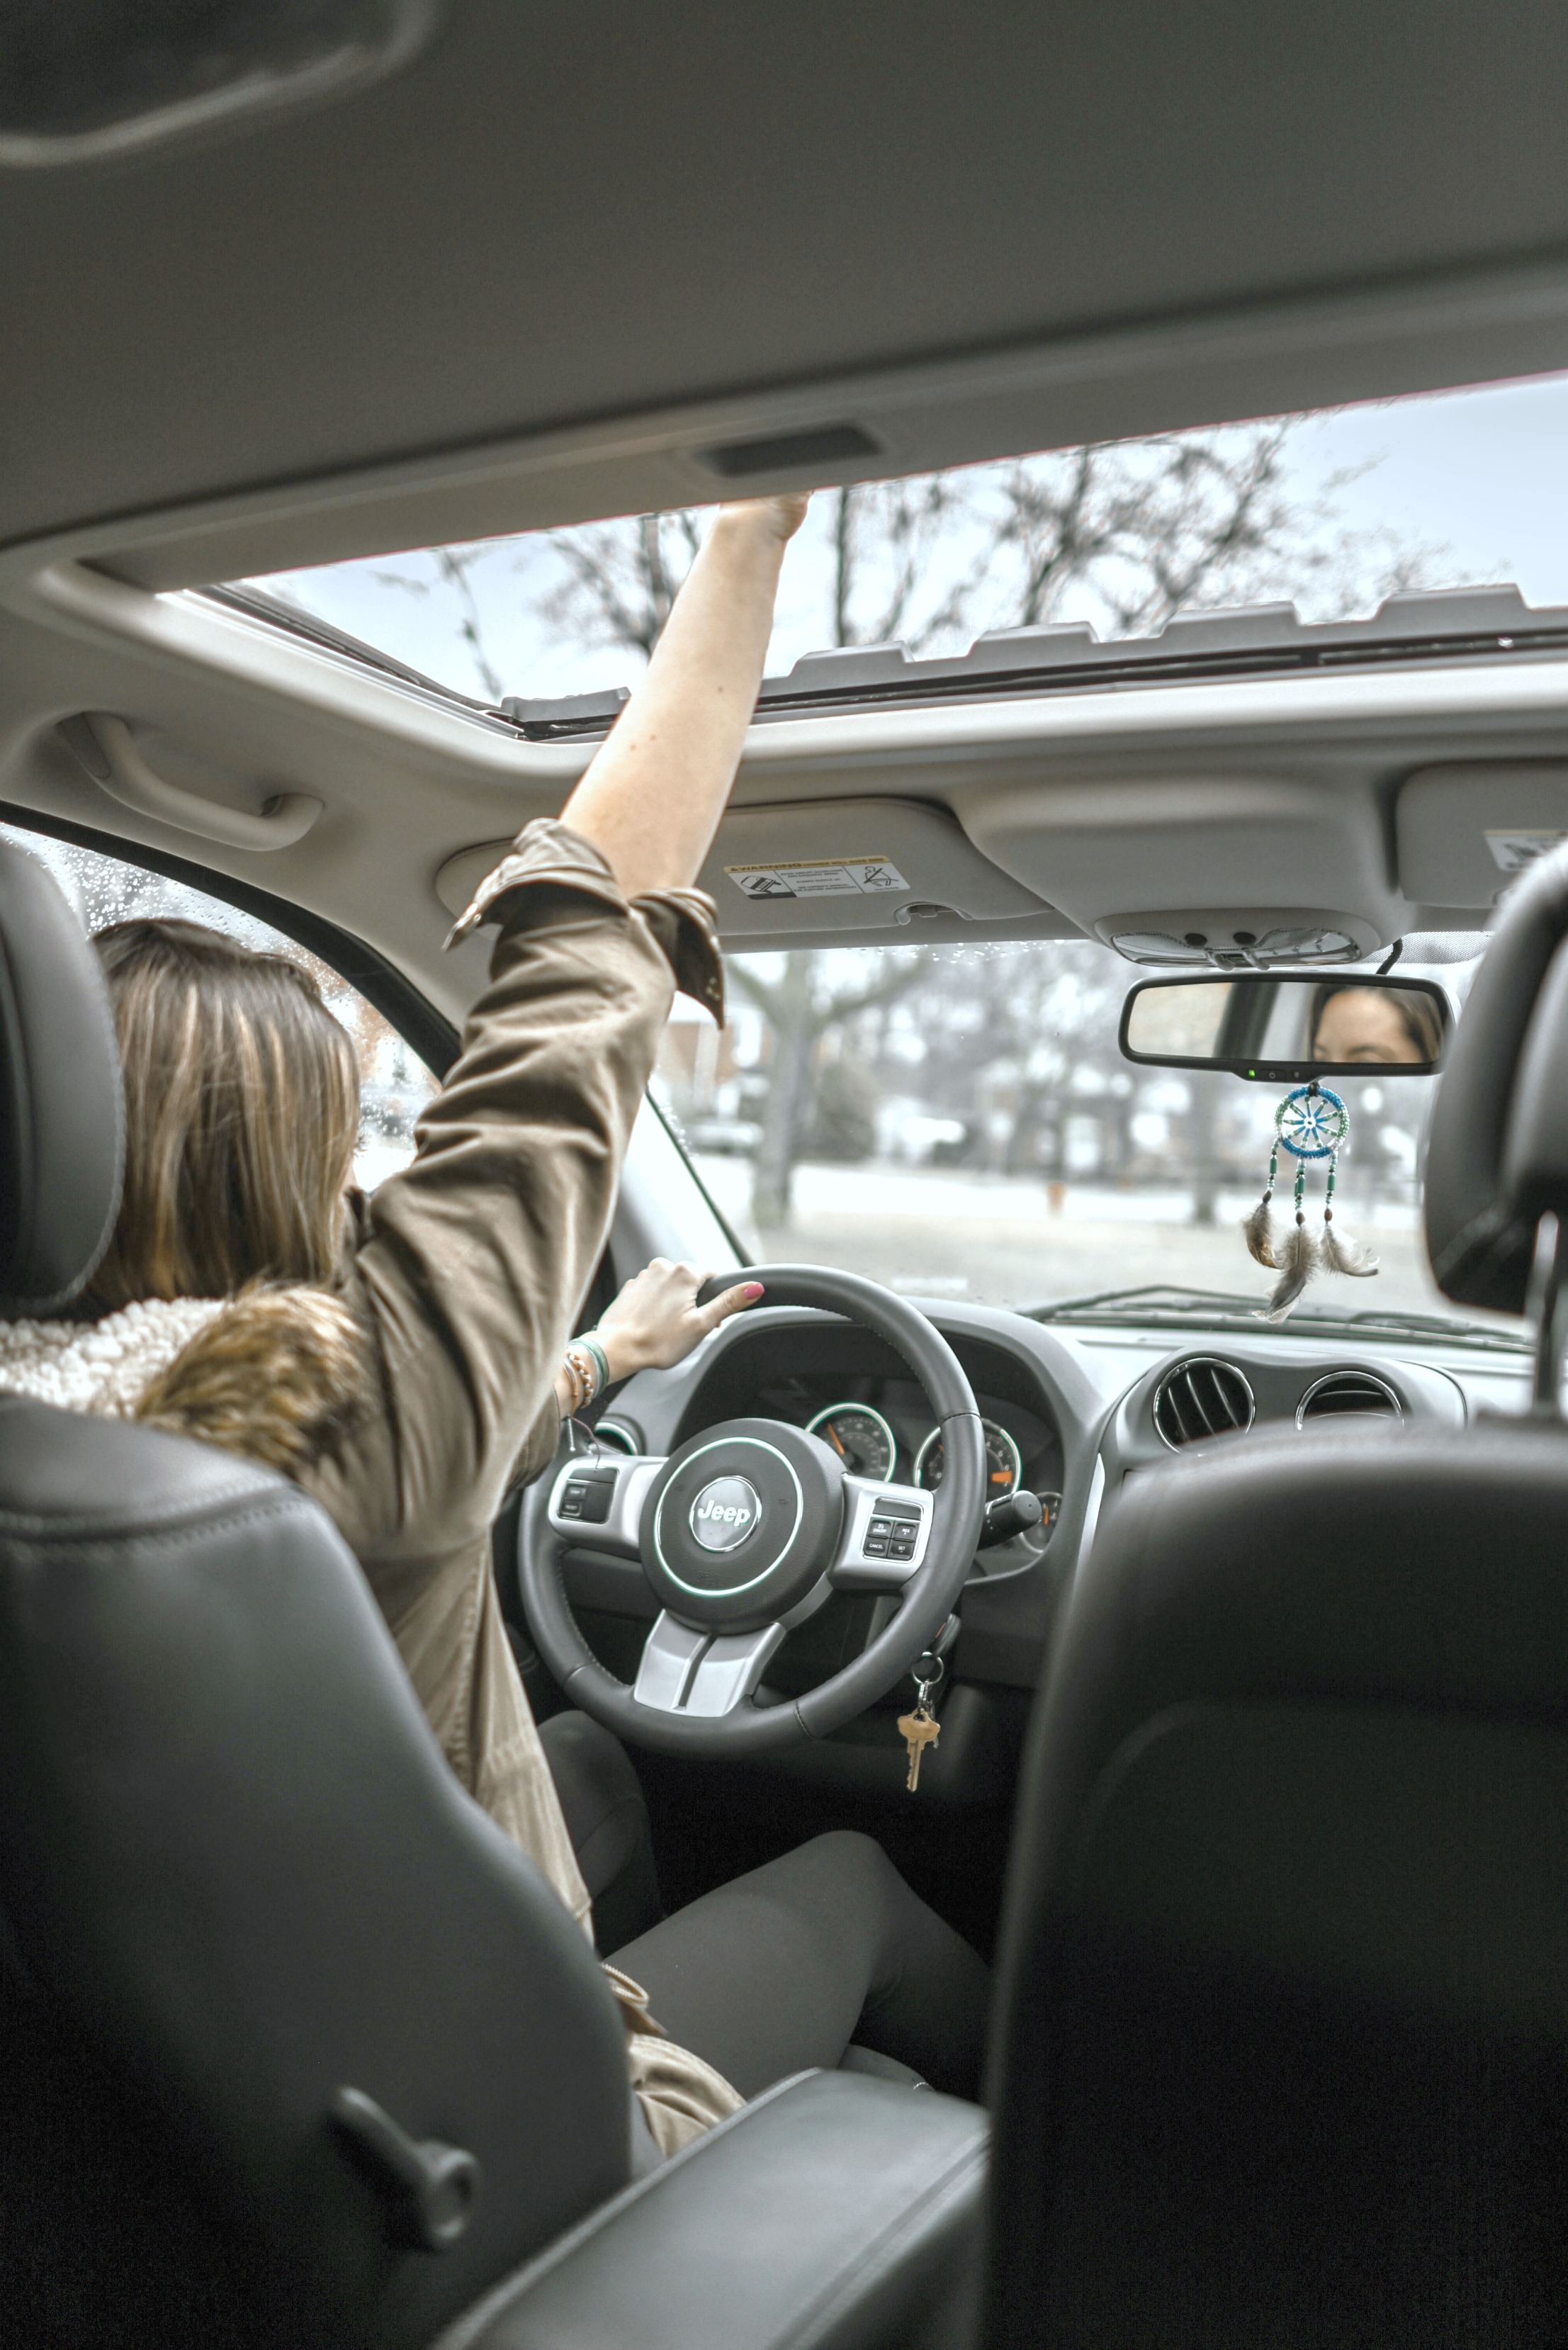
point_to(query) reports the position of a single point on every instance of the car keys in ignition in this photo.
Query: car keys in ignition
(921, 1729)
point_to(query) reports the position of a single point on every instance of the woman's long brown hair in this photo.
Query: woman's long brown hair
(242, 1110)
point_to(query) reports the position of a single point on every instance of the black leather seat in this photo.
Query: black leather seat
(295, 2047)
(1283, 2056)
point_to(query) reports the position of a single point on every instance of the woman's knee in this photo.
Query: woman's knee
(845, 1879)
(925, 1992)
(849, 1857)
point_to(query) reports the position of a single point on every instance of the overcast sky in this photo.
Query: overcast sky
(1484, 471)
(1477, 479)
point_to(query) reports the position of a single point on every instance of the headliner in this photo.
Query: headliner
(740, 215)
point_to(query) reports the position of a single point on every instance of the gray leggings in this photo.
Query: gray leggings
(786, 1966)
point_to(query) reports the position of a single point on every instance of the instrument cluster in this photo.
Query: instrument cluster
(885, 1431)
(868, 1444)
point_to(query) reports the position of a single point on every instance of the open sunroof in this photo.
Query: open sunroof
(1360, 535)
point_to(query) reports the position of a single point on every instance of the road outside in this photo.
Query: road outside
(939, 1233)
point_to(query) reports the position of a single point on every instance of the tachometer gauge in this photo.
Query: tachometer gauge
(861, 1438)
(617, 1436)
(1004, 1461)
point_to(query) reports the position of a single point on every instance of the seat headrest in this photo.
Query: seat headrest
(61, 1118)
(1497, 1157)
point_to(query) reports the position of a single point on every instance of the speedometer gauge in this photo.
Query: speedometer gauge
(1004, 1461)
(861, 1438)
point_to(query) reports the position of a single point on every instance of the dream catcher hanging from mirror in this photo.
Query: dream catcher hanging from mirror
(1312, 1123)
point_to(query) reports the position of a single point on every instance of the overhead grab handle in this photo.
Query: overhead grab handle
(106, 749)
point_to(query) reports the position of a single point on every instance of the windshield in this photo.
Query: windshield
(958, 1122)
(1335, 513)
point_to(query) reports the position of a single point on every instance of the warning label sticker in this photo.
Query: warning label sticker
(1513, 851)
(854, 877)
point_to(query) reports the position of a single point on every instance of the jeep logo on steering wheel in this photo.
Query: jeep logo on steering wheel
(724, 1513)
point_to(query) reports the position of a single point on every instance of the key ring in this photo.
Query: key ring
(926, 1682)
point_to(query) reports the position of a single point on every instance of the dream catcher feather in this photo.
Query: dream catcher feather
(1312, 1123)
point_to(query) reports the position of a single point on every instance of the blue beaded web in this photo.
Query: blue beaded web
(1313, 1122)
(1310, 1123)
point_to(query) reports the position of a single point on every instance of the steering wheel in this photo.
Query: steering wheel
(743, 1532)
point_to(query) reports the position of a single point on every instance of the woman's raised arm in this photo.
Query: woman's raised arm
(652, 798)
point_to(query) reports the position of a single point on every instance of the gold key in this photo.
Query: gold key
(919, 1730)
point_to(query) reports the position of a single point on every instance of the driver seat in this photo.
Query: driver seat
(1282, 2053)
(295, 2047)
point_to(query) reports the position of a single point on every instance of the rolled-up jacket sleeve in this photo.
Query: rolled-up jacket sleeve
(475, 1257)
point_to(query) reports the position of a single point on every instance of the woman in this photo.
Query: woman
(406, 1359)
(1389, 1027)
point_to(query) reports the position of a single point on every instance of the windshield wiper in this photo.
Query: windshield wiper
(1158, 1305)
(1401, 1325)
(1154, 1300)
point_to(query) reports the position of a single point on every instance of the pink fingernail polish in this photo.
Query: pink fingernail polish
(752, 1289)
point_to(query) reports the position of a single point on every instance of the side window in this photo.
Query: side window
(394, 1084)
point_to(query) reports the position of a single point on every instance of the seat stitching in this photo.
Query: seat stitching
(42, 1534)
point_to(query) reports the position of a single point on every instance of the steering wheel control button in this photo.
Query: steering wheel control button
(725, 1513)
(587, 1496)
(739, 1525)
(893, 1532)
(886, 1531)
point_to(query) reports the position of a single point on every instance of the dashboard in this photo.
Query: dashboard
(789, 1363)
(849, 1386)
(1071, 1413)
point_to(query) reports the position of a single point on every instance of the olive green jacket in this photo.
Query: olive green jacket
(469, 1270)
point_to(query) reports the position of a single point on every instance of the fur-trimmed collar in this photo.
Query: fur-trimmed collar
(278, 1374)
(101, 1366)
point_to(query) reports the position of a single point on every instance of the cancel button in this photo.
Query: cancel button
(724, 1514)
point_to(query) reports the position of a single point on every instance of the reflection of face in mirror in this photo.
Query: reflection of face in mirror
(1382, 1027)
(1260, 1025)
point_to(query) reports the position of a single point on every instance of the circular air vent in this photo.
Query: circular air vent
(1202, 1397)
(1348, 1392)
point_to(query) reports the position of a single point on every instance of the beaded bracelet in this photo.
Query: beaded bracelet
(588, 1370)
(579, 1369)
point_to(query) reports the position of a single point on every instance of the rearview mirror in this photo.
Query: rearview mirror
(1284, 1031)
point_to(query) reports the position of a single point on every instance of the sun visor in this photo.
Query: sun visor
(804, 871)
(1463, 832)
(1227, 857)
(778, 873)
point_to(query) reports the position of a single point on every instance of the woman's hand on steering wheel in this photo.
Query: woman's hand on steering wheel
(656, 1321)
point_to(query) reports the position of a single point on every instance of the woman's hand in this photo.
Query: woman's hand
(656, 1320)
(783, 516)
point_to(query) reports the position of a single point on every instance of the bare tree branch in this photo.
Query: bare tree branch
(622, 578)
(1063, 530)
(454, 568)
(778, 1000)
(454, 565)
